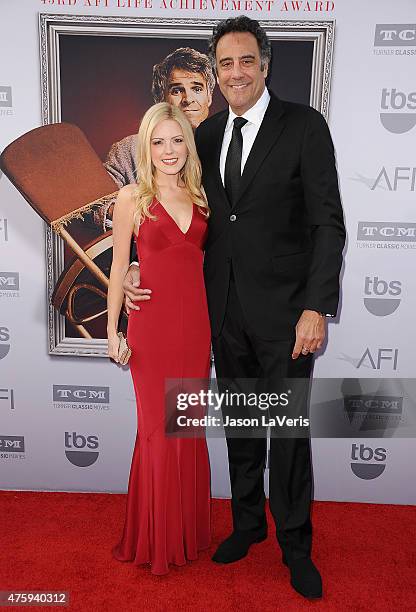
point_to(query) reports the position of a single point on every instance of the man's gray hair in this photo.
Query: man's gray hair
(241, 24)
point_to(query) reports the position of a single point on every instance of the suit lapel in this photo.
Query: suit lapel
(270, 130)
(217, 137)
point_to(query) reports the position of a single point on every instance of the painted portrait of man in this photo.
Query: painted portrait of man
(183, 78)
(106, 84)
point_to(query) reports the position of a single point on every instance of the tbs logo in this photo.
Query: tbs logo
(381, 296)
(4, 341)
(366, 462)
(392, 101)
(85, 453)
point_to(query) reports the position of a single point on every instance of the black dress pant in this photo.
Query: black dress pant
(239, 353)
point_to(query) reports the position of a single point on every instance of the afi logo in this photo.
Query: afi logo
(4, 338)
(8, 396)
(405, 174)
(366, 462)
(394, 100)
(395, 35)
(377, 292)
(4, 230)
(85, 453)
(376, 359)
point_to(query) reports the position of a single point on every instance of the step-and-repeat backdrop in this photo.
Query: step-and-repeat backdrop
(67, 414)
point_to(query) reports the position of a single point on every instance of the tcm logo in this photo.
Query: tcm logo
(15, 444)
(373, 404)
(9, 281)
(7, 395)
(9, 284)
(4, 230)
(392, 180)
(373, 412)
(4, 341)
(395, 35)
(392, 101)
(381, 296)
(81, 393)
(366, 462)
(81, 450)
(379, 359)
(6, 96)
(393, 231)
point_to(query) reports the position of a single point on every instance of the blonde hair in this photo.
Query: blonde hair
(190, 174)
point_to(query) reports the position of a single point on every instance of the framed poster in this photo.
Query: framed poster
(101, 74)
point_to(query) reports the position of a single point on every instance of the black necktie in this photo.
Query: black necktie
(232, 173)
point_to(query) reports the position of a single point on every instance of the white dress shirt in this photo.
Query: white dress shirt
(249, 131)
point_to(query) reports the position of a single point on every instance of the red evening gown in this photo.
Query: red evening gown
(168, 504)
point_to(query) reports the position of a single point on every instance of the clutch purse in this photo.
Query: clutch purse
(124, 351)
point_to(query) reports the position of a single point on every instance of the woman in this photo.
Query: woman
(168, 504)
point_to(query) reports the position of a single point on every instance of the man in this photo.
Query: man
(183, 78)
(272, 262)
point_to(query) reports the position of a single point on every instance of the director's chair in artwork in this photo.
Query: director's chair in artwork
(60, 175)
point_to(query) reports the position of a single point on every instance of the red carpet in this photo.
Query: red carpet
(62, 541)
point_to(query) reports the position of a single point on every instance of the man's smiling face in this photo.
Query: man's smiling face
(240, 74)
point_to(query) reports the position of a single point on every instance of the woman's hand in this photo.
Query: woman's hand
(113, 344)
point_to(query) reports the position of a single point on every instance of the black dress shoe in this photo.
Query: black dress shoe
(237, 546)
(304, 577)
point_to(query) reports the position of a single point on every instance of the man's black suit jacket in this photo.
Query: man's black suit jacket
(287, 238)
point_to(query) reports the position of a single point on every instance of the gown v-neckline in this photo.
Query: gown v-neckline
(173, 220)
